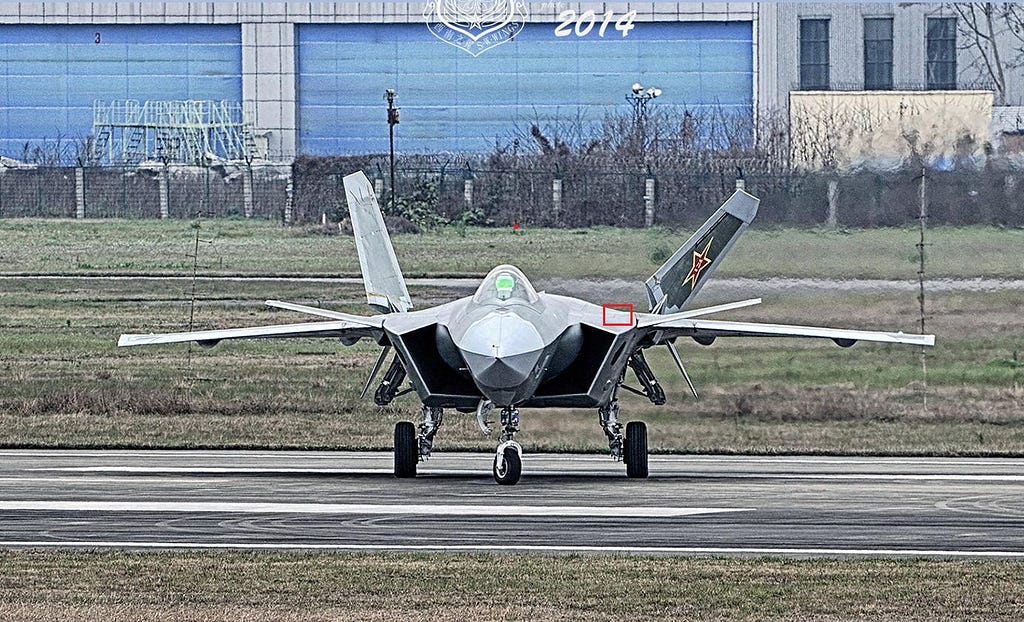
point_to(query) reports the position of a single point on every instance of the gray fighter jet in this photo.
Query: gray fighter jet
(509, 346)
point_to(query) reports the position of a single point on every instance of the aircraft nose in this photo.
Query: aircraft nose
(501, 350)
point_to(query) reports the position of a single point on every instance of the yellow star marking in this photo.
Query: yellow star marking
(700, 262)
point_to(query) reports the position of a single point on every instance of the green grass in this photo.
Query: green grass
(448, 587)
(63, 383)
(261, 247)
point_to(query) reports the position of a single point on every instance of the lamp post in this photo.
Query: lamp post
(638, 97)
(389, 95)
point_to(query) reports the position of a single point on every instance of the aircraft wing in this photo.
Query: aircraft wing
(346, 329)
(669, 327)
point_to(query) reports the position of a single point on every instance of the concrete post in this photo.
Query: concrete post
(165, 195)
(832, 218)
(556, 196)
(79, 192)
(288, 191)
(649, 202)
(467, 192)
(247, 192)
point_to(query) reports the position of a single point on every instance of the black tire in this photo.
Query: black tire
(635, 451)
(513, 468)
(406, 449)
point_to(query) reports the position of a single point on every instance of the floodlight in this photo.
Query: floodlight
(637, 88)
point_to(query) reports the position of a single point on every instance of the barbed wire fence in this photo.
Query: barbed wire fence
(463, 191)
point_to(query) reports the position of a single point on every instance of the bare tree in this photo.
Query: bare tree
(983, 27)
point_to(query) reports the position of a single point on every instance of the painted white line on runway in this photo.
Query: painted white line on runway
(525, 548)
(269, 470)
(364, 508)
(286, 455)
(120, 481)
(841, 460)
(427, 471)
(210, 469)
(952, 477)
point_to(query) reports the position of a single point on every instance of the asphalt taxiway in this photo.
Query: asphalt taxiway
(789, 505)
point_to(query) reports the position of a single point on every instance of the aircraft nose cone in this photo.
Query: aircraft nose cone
(501, 350)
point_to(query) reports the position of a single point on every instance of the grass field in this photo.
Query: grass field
(261, 247)
(65, 384)
(37, 585)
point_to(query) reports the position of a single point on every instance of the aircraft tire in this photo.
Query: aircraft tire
(513, 469)
(406, 450)
(635, 451)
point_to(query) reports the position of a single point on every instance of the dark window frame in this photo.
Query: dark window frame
(940, 53)
(814, 54)
(878, 53)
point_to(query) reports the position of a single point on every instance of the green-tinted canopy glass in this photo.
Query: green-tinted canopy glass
(505, 283)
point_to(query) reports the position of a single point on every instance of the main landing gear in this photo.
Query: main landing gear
(631, 448)
(411, 447)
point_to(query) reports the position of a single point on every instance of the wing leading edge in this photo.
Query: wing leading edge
(344, 329)
(704, 331)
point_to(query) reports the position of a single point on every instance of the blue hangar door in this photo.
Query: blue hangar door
(50, 75)
(452, 101)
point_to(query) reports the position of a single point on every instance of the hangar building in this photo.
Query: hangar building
(311, 75)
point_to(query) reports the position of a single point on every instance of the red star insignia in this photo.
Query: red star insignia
(700, 261)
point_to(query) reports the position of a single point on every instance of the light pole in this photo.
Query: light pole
(389, 95)
(638, 97)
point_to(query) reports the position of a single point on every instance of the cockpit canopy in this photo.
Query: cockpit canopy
(504, 285)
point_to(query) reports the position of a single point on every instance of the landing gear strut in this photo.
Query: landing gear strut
(431, 423)
(631, 448)
(652, 390)
(609, 416)
(389, 386)
(508, 459)
(411, 447)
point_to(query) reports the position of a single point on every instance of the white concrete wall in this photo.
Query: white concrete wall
(268, 83)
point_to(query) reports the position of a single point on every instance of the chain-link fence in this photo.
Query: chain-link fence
(145, 192)
(433, 191)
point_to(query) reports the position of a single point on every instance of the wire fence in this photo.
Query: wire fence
(430, 194)
(133, 192)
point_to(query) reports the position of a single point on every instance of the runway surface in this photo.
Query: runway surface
(972, 507)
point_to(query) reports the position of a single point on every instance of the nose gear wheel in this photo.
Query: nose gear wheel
(508, 459)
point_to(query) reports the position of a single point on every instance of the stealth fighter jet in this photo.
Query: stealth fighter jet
(509, 346)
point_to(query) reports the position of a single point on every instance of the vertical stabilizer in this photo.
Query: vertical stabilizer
(677, 282)
(385, 286)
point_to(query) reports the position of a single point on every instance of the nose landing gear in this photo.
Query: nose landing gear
(508, 459)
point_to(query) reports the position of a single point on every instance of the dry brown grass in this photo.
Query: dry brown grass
(64, 383)
(37, 585)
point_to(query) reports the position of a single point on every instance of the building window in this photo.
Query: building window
(940, 69)
(814, 54)
(878, 53)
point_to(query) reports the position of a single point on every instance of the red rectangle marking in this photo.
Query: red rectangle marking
(624, 307)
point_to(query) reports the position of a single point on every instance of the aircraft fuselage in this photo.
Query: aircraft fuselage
(524, 349)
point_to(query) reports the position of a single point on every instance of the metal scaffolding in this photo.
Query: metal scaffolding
(187, 132)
